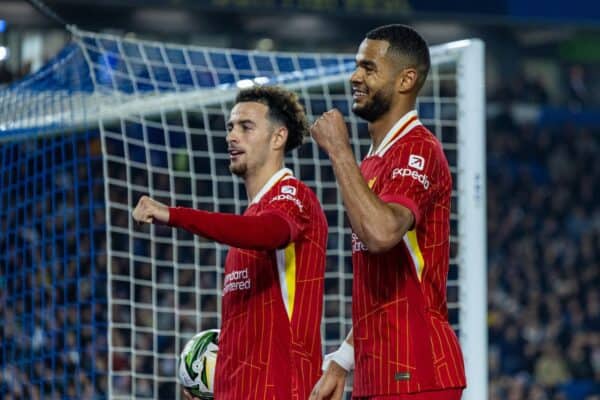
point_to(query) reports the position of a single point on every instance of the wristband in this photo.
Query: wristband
(344, 357)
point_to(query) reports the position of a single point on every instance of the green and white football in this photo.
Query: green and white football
(197, 364)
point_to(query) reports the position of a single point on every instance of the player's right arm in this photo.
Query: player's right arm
(267, 231)
(336, 367)
(379, 224)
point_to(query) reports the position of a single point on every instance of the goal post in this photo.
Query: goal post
(131, 117)
(471, 183)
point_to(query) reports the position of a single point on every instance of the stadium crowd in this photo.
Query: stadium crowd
(543, 252)
(53, 263)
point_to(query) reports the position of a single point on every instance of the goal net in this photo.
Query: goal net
(94, 305)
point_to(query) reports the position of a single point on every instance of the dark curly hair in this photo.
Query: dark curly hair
(284, 107)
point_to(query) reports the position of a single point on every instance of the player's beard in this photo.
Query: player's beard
(251, 161)
(379, 104)
(238, 169)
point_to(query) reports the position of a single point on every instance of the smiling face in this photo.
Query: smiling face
(373, 80)
(249, 133)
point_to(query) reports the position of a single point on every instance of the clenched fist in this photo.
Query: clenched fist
(150, 211)
(330, 132)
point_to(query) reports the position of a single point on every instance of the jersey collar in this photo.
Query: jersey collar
(400, 128)
(280, 175)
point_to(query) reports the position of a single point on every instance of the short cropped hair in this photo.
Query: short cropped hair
(284, 108)
(406, 43)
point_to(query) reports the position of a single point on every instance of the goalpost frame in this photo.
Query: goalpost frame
(471, 183)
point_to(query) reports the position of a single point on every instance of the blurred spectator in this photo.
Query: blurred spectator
(551, 367)
(25, 69)
(578, 88)
(5, 75)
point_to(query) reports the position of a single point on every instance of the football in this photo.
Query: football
(197, 364)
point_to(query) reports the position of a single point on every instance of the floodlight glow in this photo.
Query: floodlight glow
(261, 80)
(244, 83)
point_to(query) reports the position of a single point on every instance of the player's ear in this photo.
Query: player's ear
(279, 138)
(406, 79)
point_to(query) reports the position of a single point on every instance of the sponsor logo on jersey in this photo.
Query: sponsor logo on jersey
(416, 162)
(237, 280)
(289, 197)
(288, 190)
(403, 172)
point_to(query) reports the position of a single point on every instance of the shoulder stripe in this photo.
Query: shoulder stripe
(400, 128)
(277, 176)
(413, 124)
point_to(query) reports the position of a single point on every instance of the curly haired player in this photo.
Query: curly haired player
(270, 344)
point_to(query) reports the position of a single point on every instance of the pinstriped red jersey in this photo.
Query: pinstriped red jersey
(402, 339)
(270, 342)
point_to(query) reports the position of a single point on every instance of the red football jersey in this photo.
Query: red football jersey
(402, 339)
(270, 341)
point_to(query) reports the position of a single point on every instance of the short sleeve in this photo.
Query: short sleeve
(412, 176)
(291, 200)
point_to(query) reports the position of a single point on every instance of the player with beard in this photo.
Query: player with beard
(401, 345)
(270, 342)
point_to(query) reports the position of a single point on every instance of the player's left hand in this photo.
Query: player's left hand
(331, 384)
(330, 132)
(150, 211)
